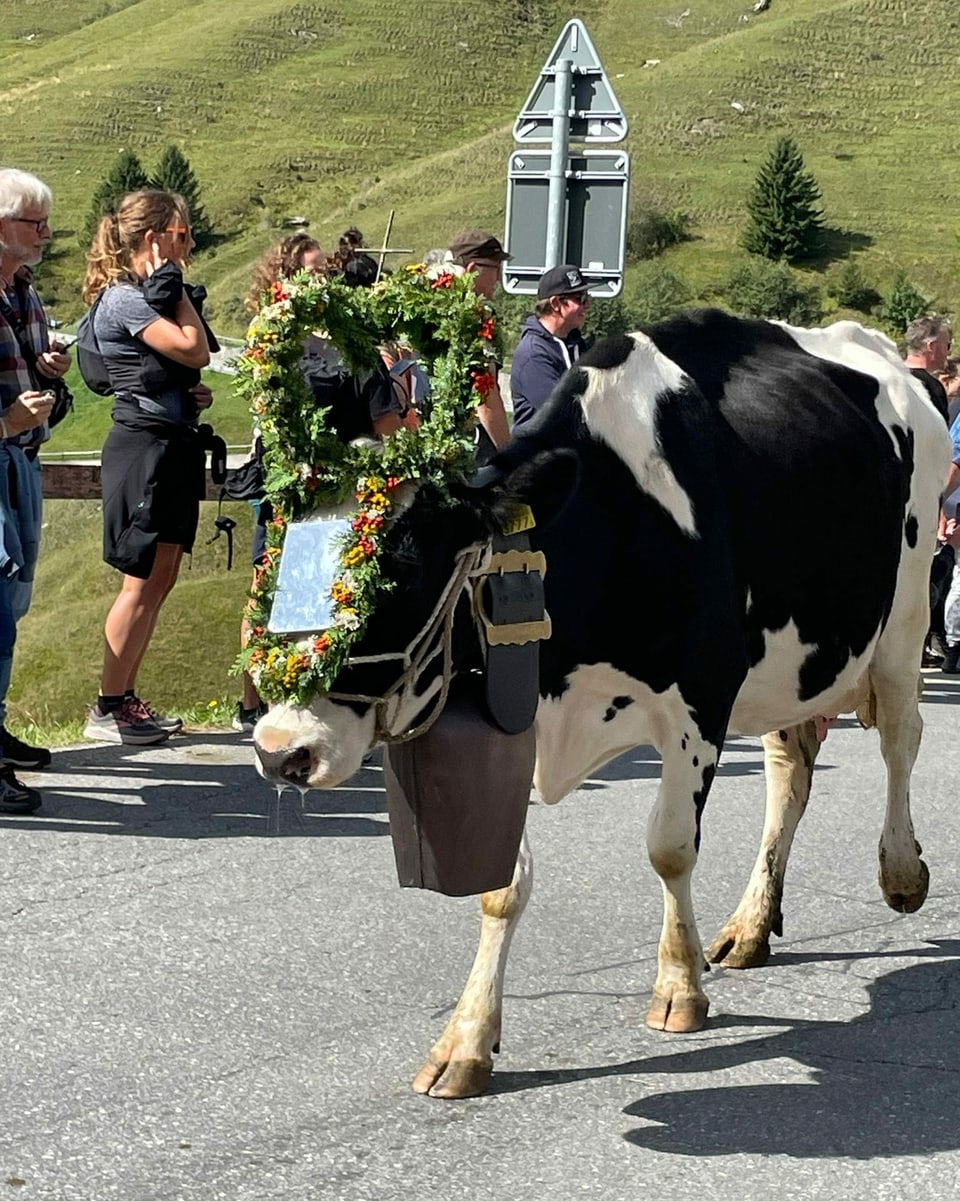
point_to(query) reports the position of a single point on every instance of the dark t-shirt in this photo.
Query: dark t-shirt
(354, 401)
(936, 391)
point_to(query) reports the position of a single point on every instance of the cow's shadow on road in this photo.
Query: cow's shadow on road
(886, 1083)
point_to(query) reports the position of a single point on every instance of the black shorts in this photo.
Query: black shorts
(151, 494)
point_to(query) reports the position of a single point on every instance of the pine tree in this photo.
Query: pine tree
(173, 173)
(905, 303)
(785, 219)
(126, 175)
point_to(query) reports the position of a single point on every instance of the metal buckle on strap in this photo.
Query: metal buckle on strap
(511, 633)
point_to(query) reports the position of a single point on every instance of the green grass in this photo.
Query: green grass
(59, 645)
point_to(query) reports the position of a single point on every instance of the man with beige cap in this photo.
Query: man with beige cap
(482, 255)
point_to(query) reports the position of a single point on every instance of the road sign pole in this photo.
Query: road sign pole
(559, 154)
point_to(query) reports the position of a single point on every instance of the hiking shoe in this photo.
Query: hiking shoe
(21, 754)
(128, 724)
(14, 796)
(950, 665)
(245, 719)
(173, 725)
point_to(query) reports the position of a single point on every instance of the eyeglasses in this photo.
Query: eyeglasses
(580, 298)
(39, 226)
(180, 230)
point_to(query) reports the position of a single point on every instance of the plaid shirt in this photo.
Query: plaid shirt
(15, 375)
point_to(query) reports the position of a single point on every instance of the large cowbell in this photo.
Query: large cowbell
(457, 798)
(458, 794)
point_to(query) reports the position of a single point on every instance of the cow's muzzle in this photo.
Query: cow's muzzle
(287, 765)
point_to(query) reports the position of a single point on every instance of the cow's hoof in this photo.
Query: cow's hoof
(908, 901)
(457, 1079)
(678, 1015)
(733, 950)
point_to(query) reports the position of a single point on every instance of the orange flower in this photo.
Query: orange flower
(278, 292)
(321, 645)
(442, 281)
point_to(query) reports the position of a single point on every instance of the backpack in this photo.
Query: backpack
(90, 361)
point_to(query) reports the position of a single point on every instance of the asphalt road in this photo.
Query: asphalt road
(195, 1007)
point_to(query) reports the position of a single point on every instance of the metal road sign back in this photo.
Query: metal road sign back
(594, 113)
(594, 220)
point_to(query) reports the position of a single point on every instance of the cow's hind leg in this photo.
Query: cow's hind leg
(788, 758)
(904, 877)
(460, 1062)
(673, 839)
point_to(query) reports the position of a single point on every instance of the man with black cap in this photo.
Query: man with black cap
(482, 255)
(550, 340)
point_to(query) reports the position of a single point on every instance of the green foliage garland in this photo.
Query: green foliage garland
(453, 331)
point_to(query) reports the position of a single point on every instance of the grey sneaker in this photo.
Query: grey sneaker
(129, 724)
(173, 725)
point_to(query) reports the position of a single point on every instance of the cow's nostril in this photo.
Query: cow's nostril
(290, 765)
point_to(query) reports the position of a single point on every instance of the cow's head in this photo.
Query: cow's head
(428, 553)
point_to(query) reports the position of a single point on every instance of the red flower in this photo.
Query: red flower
(368, 547)
(442, 281)
(367, 525)
(483, 382)
(321, 645)
(393, 481)
(488, 328)
(278, 292)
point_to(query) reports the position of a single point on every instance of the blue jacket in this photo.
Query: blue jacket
(538, 362)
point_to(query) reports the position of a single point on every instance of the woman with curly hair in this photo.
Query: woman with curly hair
(298, 252)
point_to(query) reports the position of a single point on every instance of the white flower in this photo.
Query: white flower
(346, 619)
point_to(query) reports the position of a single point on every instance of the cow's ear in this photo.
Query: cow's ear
(545, 482)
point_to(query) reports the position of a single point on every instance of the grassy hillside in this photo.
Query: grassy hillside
(345, 110)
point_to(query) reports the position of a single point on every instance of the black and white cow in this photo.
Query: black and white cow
(745, 545)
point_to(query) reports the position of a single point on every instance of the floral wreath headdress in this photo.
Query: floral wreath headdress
(453, 333)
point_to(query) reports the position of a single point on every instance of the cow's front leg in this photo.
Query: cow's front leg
(673, 839)
(460, 1062)
(788, 758)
